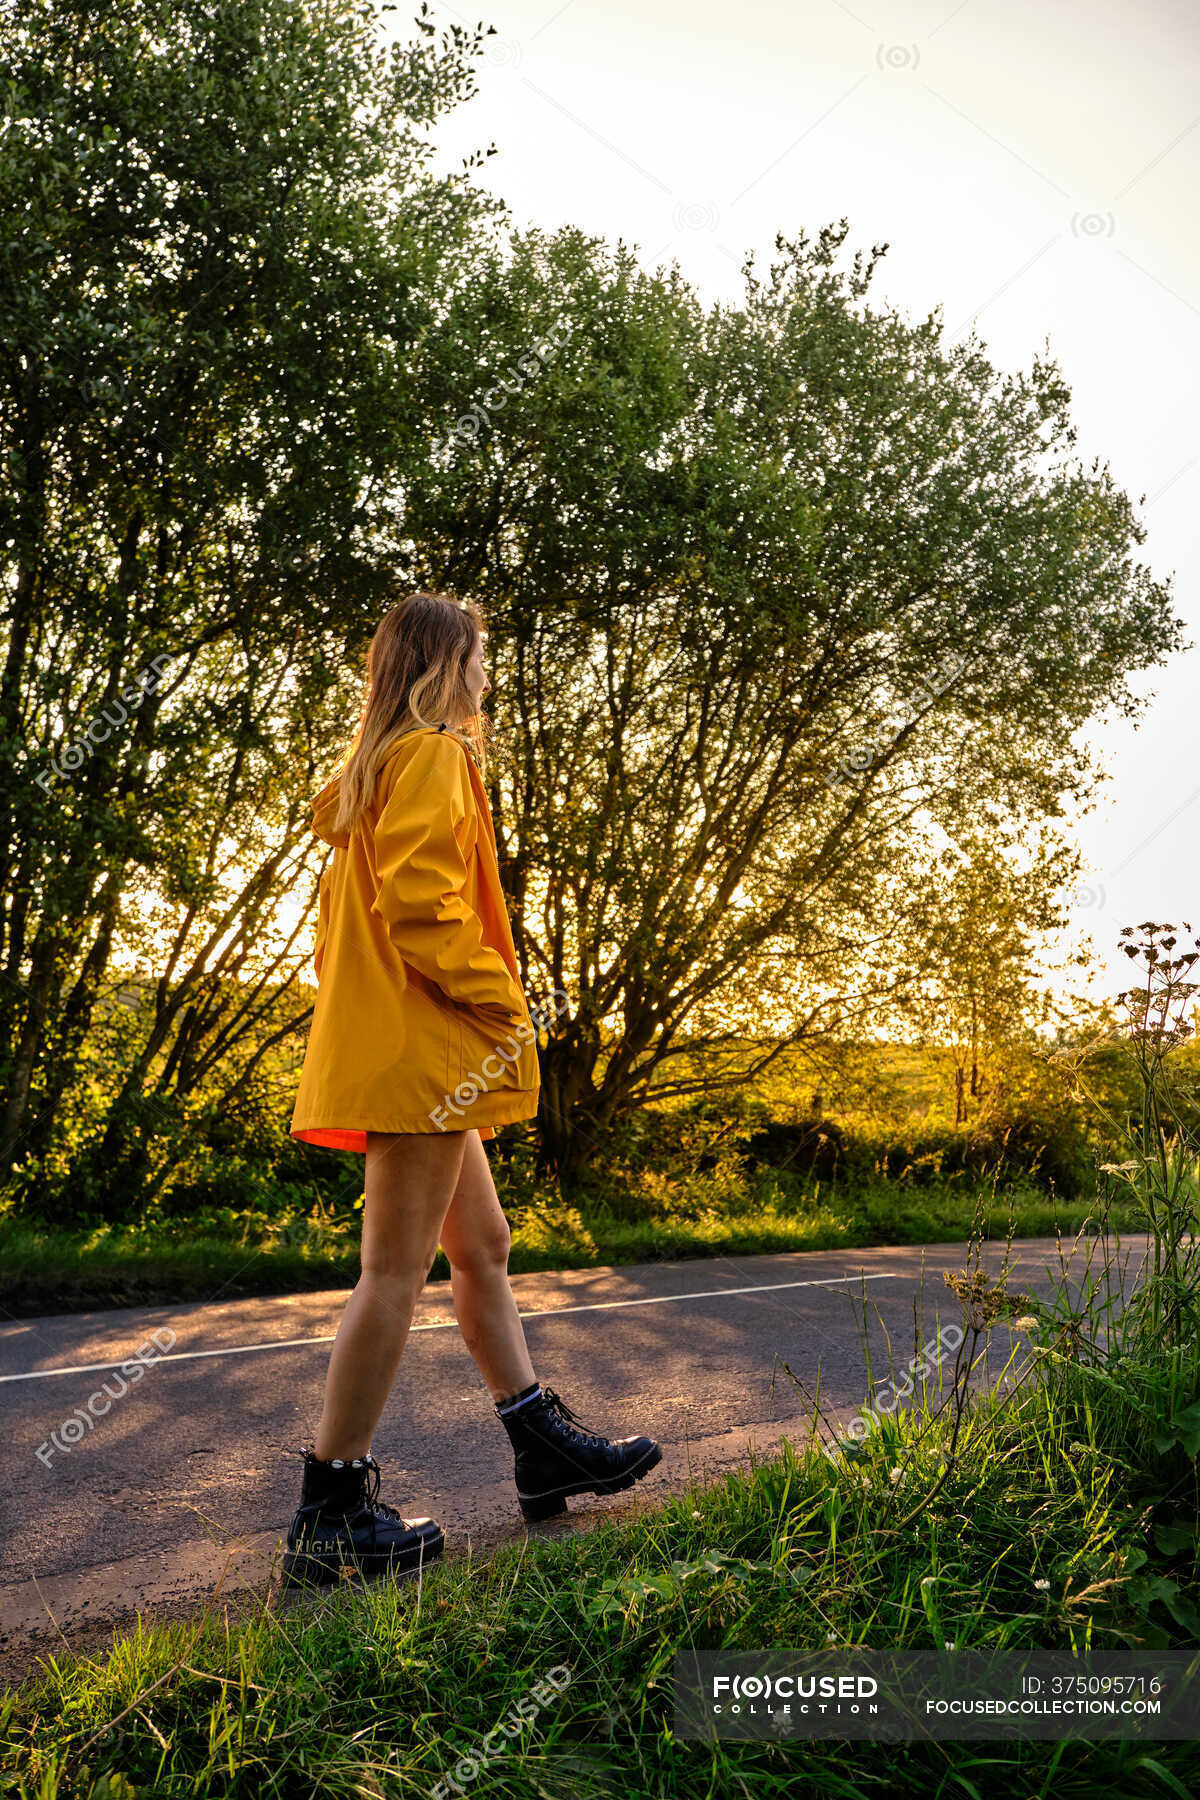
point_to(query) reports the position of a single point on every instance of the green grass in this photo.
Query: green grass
(225, 1254)
(1062, 1514)
(1034, 1533)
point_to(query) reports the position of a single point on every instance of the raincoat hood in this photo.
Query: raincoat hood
(325, 804)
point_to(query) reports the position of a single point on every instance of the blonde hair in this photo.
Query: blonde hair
(415, 676)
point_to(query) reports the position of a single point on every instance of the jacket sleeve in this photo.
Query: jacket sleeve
(422, 876)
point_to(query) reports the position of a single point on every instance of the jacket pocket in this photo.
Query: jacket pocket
(500, 1049)
(503, 1017)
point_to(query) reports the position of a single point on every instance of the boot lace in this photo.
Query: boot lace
(573, 1422)
(371, 1492)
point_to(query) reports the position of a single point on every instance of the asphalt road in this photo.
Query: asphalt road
(183, 1483)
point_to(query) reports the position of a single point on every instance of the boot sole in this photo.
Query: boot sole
(305, 1568)
(553, 1501)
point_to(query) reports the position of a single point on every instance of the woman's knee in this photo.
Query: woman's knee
(483, 1251)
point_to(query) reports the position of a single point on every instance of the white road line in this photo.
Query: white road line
(549, 1312)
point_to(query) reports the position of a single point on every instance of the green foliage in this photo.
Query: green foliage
(1053, 1149)
(221, 242)
(264, 370)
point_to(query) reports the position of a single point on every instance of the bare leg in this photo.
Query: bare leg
(410, 1178)
(476, 1238)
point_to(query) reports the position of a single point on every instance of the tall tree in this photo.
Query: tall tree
(219, 245)
(778, 592)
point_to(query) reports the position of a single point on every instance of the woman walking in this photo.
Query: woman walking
(421, 1044)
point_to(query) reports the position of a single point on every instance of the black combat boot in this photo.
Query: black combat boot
(341, 1524)
(557, 1455)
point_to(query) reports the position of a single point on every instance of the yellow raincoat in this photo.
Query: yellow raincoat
(420, 1022)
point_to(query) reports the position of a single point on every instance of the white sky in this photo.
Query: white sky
(1033, 169)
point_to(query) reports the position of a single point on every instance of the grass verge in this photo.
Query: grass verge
(228, 1254)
